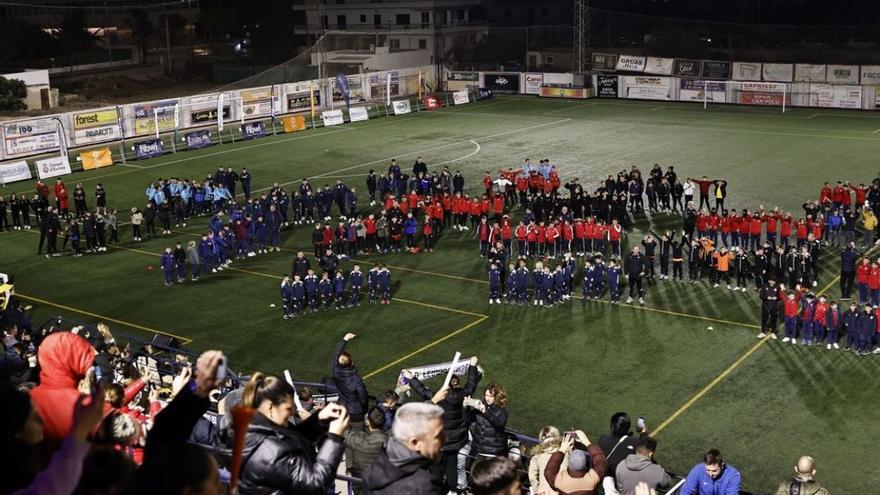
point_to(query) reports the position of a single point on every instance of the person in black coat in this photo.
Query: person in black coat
(301, 265)
(635, 267)
(455, 421)
(349, 384)
(489, 422)
(280, 458)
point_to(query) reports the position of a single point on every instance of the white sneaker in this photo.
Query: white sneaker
(815, 283)
(715, 286)
(220, 268)
(828, 347)
(629, 300)
(785, 340)
(491, 301)
(536, 302)
(728, 287)
(877, 350)
(251, 254)
(213, 270)
(541, 303)
(641, 300)
(762, 335)
(794, 341)
(497, 301)
(836, 345)
(773, 336)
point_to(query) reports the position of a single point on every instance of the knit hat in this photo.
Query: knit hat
(578, 461)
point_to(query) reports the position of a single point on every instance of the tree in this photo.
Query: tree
(12, 92)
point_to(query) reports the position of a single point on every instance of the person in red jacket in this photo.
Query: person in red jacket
(801, 233)
(785, 229)
(522, 187)
(475, 212)
(861, 194)
(61, 196)
(791, 301)
(498, 206)
(566, 234)
(521, 232)
(820, 317)
(744, 229)
(65, 360)
(487, 183)
(580, 235)
(542, 239)
(615, 232)
(755, 226)
(771, 219)
(705, 183)
(825, 196)
(428, 234)
(483, 232)
(874, 283)
(863, 273)
(552, 236)
(532, 238)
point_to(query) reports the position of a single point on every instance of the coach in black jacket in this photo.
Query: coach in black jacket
(635, 267)
(455, 420)
(349, 384)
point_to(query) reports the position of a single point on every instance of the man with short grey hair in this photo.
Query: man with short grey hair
(417, 437)
(804, 482)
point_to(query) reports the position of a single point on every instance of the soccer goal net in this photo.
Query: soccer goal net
(772, 94)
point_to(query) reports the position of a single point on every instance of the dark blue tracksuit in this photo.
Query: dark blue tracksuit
(339, 290)
(325, 287)
(354, 280)
(867, 328)
(851, 324)
(494, 283)
(522, 285)
(286, 299)
(613, 282)
(384, 279)
(168, 266)
(298, 298)
(311, 286)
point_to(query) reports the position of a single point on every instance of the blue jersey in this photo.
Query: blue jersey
(325, 286)
(298, 289)
(384, 278)
(613, 275)
(494, 277)
(339, 284)
(521, 277)
(355, 279)
(311, 284)
(286, 291)
(168, 262)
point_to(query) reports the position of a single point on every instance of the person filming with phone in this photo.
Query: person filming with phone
(585, 469)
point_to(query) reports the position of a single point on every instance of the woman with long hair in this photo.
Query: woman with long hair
(550, 439)
(278, 456)
(490, 420)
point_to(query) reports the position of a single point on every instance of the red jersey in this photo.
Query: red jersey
(801, 230)
(837, 194)
(484, 231)
(551, 234)
(487, 181)
(725, 225)
(567, 232)
(498, 204)
(484, 205)
(427, 229)
(614, 231)
(818, 227)
(532, 233)
(755, 226)
(825, 195)
(580, 230)
(522, 184)
(475, 209)
(744, 223)
(771, 219)
(791, 305)
(819, 313)
(874, 277)
(506, 232)
(370, 226)
(785, 227)
(542, 234)
(521, 232)
(702, 222)
(860, 195)
(863, 271)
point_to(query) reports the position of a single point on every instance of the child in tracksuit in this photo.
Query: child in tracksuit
(613, 281)
(549, 287)
(180, 261)
(339, 290)
(298, 297)
(598, 278)
(510, 288)
(325, 287)
(820, 316)
(494, 284)
(384, 279)
(808, 311)
(791, 301)
(168, 266)
(286, 298)
(522, 283)
(206, 252)
(833, 322)
(311, 286)
(867, 328)
(373, 283)
(538, 283)
(850, 322)
(355, 279)
(589, 280)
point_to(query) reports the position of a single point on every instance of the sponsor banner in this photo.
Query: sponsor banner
(197, 139)
(553, 92)
(430, 371)
(95, 119)
(149, 149)
(145, 121)
(604, 62)
(97, 134)
(508, 81)
(432, 102)
(93, 159)
(842, 74)
(606, 86)
(294, 123)
(379, 85)
(695, 90)
(208, 115)
(777, 72)
(463, 76)
(660, 66)
(96, 126)
(870, 74)
(486, 94)
(835, 96)
(203, 109)
(461, 97)
(746, 71)
(14, 172)
(30, 137)
(877, 97)
(252, 130)
(534, 83)
(332, 117)
(401, 107)
(358, 114)
(347, 89)
(630, 63)
(687, 68)
(259, 101)
(647, 88)
(716, 70)
(300, 101)
(52, 167)
(762, 87)
(809, 73)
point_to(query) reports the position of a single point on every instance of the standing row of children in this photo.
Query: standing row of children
(311, 294)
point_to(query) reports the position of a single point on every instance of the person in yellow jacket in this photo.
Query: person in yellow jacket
(869, 222)
(722, 260)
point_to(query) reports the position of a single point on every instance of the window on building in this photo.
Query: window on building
(426, 19)
(394, 43)
(325, 22)
(402, 19)
(549, 60)
(377, 20)
(363, 19)
(340, 21)
(423, 44)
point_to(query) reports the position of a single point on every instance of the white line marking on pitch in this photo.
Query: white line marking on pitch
(812, 116)
(875, 132)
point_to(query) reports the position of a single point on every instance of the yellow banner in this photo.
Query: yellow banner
(96, 158)
(294, 123)
(258, 94)
(94, 119)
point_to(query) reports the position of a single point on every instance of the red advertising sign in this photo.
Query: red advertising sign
(432, 102)
(764, 99)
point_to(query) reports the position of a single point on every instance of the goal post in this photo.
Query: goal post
(756, 93)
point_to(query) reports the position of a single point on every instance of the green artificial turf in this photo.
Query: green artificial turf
(570, 366)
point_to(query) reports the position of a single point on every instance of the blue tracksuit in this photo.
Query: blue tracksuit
(354, 281)
(384, 278)
(589, 280)
(613, 282)
(850, 321)
(599, 281)
(538, 282)
(311, 285)
(832, 323)
(299, 296)
(260, 233)
(325, 286)
(808, 309)
(168, 265)
(522, 285)
(560, 282)
(373, 284)
(867, 328)
(494, 283)
(286, 299)
(510, 287)
(339, 289)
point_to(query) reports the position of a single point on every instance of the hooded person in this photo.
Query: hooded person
(641, 468)
(404, 465)
(65, 360)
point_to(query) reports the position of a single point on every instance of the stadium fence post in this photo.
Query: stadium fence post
(705, 93)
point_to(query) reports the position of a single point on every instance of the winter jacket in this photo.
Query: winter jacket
(350, 386)
(636, 469)
(569, 482)
(399, 470)
(807, 487)
(488, 431)
(698, 482)
(537, 480)
(281, 460)
(455, 420)
(64, 359)
(366, 447)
